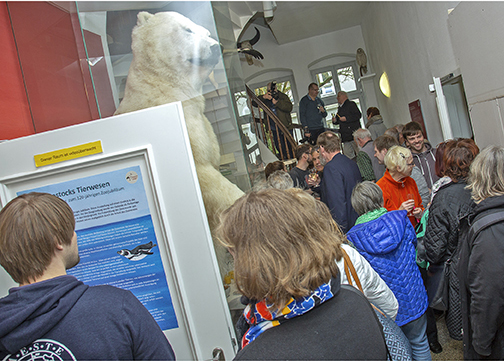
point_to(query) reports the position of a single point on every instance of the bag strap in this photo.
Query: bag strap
(349, 268)
(484, 222)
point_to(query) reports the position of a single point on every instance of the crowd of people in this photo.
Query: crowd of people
(422, 225)
(349, 255)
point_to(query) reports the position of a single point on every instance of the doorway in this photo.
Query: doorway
(456, 102)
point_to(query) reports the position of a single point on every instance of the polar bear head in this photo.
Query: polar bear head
(171, 47)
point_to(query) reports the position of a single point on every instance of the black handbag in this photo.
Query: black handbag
(439, 285)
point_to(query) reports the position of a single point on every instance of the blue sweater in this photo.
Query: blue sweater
(309, 115)
(388, 244)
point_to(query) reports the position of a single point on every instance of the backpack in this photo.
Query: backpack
(484, 222)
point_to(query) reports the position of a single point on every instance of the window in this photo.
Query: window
(346, 79)
(282, 86)
(326, 84)
(330, 85)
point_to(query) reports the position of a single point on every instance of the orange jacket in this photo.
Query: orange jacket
(395, 193)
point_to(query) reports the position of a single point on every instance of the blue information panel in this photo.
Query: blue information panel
(116, 238)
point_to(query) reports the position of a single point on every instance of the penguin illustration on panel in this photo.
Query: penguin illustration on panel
(137, 253)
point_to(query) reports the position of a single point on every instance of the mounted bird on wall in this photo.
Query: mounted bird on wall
(246, 48)
(361, 61)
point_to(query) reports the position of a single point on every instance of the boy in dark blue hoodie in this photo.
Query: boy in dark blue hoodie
(52, 315)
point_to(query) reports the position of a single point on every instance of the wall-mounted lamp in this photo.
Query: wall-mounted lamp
(384, 85)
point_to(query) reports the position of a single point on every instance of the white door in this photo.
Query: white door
(133, 174)
(444, 116)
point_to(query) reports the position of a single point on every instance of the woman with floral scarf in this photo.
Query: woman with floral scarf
(285, 248)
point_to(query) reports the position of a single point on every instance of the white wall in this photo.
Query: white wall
(477, 35)
(412, 42)
(409, 41)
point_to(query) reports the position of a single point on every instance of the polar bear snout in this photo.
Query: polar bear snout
(210, 58)
(216, 51)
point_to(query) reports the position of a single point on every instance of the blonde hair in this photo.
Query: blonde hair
(31, 226)
(285, 244)
(396, 159)
(486, 174)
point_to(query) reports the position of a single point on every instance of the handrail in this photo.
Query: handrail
(284, 132)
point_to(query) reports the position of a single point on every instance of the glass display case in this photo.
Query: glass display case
(74, 59)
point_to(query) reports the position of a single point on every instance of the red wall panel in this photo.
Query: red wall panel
(45, 81)
(53, 72)
(15, 118)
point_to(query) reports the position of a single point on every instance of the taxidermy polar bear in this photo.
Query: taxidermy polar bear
(172, 57)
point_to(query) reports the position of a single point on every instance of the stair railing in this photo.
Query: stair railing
(264, 123)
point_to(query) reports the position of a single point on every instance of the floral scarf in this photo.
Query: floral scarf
(260, 318)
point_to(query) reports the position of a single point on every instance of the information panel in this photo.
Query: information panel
(116, 238)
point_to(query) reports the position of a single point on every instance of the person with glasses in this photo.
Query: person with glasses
(301, 171)
(400, 191)
(312, 114)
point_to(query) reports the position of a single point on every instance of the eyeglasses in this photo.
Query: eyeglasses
(410, 164)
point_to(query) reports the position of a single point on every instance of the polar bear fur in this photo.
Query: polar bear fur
(172, 57)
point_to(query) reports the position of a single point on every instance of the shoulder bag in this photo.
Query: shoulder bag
(398, 346)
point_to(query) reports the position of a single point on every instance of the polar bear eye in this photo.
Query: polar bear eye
(189, 31)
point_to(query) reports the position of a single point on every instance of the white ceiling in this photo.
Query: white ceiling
(296, 20)
(292, 20)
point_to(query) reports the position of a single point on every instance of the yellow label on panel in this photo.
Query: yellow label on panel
(68, 153)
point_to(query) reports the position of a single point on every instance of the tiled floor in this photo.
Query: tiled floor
(452, 350)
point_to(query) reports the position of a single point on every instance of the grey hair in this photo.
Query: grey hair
(280, 179)
(486, 174)
(396, 158)
(361, 133)
(366, 197)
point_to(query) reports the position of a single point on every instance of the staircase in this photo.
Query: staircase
(263, 118)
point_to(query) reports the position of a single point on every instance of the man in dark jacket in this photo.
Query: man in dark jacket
(340, 176)
(312, 114)
(52, 315)
(348, 119)
(281, 106)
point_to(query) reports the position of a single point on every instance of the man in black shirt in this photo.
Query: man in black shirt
(348, 119)
(300, 171)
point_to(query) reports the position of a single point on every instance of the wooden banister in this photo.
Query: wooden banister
(283, 134)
